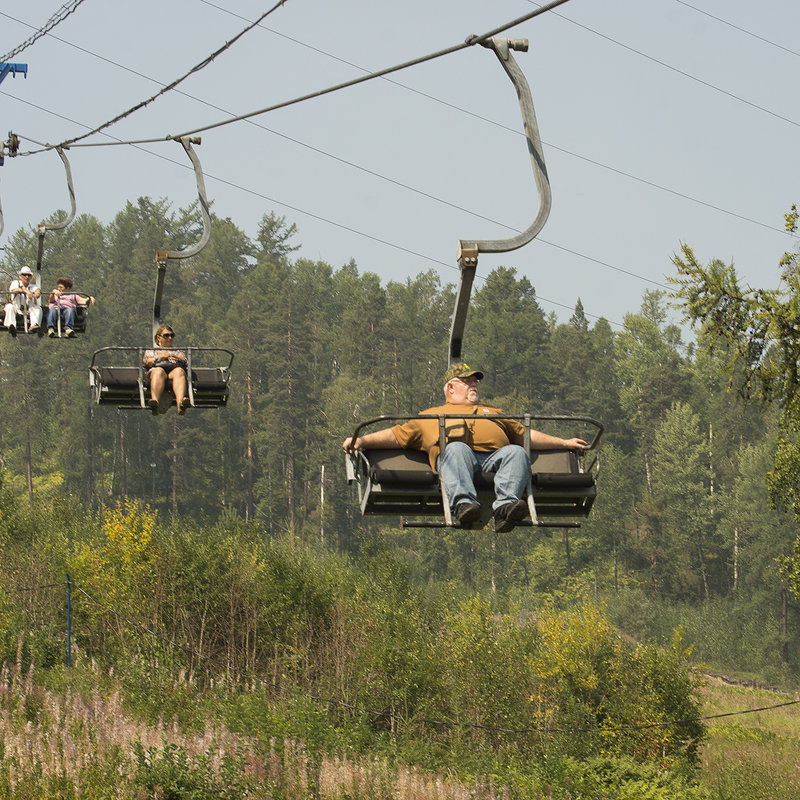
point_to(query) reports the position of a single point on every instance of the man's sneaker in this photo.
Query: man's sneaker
(51, 332)
(467, 513)
(33, 329)
(69, 333)
(507, 516)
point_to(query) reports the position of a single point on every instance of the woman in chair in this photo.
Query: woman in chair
(163, 364)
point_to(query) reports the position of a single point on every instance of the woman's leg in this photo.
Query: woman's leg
(178, 378)
(158, 380)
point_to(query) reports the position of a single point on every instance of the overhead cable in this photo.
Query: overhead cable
(386, 242)
(428, 96)
(736, 27)
(204, 63)
(469, 42)
(679, 71)
(463, 110)
(60, 15)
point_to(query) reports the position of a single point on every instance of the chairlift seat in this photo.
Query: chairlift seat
(127, 386)
(401, 482)
(116, 385)
(22, 323)
(210, 386)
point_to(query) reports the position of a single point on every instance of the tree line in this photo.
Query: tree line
(683, 512)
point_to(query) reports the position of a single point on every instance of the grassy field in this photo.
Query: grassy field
(754, 756)
(74, 744)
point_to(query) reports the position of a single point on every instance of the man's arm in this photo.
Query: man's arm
(84, 301)
(543, 441)
(377, 440)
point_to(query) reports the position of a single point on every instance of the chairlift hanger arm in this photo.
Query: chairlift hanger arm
(57, 226)
(468, 250)
(162, 256)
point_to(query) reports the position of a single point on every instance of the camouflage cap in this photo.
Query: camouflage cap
(462, 370)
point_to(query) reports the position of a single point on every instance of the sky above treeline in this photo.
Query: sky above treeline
(663, 122)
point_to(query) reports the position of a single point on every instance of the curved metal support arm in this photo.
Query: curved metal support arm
(502, 49)
(468, 249)
(162, 256)
(57, 226)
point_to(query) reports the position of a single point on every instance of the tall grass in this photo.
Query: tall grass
(74, 744)
(754, 756)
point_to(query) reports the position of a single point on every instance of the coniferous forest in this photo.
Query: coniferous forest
(222, 578)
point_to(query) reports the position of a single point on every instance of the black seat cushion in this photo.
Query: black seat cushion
(550, 480)
(408, 467)
(118, 377)
(209, 379)
(411, 468)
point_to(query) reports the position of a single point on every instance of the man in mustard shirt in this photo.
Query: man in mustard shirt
(473, 445)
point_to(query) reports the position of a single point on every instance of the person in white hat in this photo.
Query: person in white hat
(25, 297)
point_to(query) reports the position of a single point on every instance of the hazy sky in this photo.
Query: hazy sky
(663, 121)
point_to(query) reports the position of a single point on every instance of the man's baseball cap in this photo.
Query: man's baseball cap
(26, 271)
(462, 370)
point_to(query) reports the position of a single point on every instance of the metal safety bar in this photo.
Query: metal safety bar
(468, 250)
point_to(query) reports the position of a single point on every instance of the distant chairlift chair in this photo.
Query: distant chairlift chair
(126, 387)
(23, 321)
(123, 383)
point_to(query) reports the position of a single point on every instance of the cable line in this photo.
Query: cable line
(679, 71)
(204, 63)
(469, 42)
(515, 131)
(369, 236)
(736, 27)
(40, 586)
(435, 99)
(59, 16)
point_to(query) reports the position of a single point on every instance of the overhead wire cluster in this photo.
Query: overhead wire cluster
(59, 16)
(77, 141)
(469, 42)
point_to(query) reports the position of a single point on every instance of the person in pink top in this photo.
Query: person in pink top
(64, 301)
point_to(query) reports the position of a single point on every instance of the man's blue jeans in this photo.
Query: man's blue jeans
(69, 317)
(460, 463)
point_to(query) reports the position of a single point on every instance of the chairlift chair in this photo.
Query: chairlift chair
(401, 482)
(123, 383)
(23, 319)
